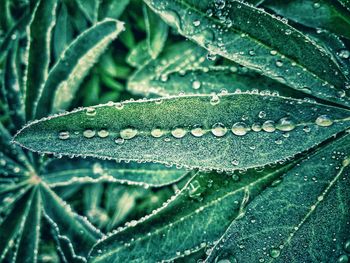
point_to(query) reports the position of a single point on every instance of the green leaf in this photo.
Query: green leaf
(65, 77)
(12, 88)
(191, 220)
(157, 32)
(221, 132)
(305, 218)
(63, 31)
(321, 14)
(257, 40)
(65, 173)
(75, 235)
(39, 35)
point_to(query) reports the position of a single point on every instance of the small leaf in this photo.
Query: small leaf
(39, 52)
(221, 132)
(304, 218)
(157, 32)
(257, 40)
(74, 234)
(197, 216)
(67, 74)
(320, 14)
(79, 172)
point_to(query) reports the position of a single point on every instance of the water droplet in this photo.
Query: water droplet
(285, 124)
(90, 112)
(220, 4)
(347, 246)
(178, 132)
(197, 131)
(273, 52)
(288, 32)
(344, 54)
(275, 253)
(278, 141)
(279, 63)
(119, 140)
(214, 99)
(211, 56)
(235, 162)
(239, 128)
(219, 129)
(128, 133)
(306, 129)
(63, 135)
(262, 114)
(269, 126)
(103, 133)
(196, 22)
(88, 133)
(119, 106)
(196, 84)
(324, 121)
(157, 132)
(317, 5)
(256, 127)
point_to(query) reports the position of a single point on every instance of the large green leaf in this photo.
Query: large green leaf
(191, 220)
(305, 218)
(321, 14)
(76, 61)
(61, 173)
(257, 40)
(39, 52)
(221, 132)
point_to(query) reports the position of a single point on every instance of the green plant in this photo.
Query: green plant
(222, 138)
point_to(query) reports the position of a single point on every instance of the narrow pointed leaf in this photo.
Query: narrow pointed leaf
(295, 220)
(324, 14)
(74, 234)
(188, 222)
(39, 52)
(12, 88)
(199, 131)
(257, 40)
(157, 32)
(108, 171)
(29, 241)
(76, 61)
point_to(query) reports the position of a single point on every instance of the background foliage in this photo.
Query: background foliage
(246, 159)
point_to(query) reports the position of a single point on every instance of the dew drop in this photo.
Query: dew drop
(262, 114)
(279, 63)
(220, 4)
(278, 141)
(256, 127)
(128, 133)
(344, 54)
(119, 106)
(288, 32)
(119, 140)
(197, 131)
(196, 23)
(214, 99)
(63, 135)
(88, 133)
(219, 129)
(275, 253)
(307, 129)
(347, 246)
(239, 128)
(285, 124)
(103, 133)
(90, 112)
(343, 259)
(157, 132)
(235, 162)
(196, 84)
(211, 56)
(269, 126)
(178, 132)
(324, 121)
(317, 5)
(273, 52)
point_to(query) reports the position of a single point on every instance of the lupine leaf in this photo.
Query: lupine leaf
(257, 40)
(65, 77)
(90, 9)
(157, 32)
(295, 220)
(39, 35)
(321, 14)
(191, 220)
(190, 131)
(69, 173)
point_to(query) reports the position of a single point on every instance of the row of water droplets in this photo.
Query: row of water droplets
(218, 129)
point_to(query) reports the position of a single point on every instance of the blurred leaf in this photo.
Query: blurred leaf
(157, 32)
(90, 9)
(112, 8)
(39, 34)
(318, 14)
(258, 41)
(139, 55)
(221, 132)
(345, 3)
(65, 77)
(295, 220)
